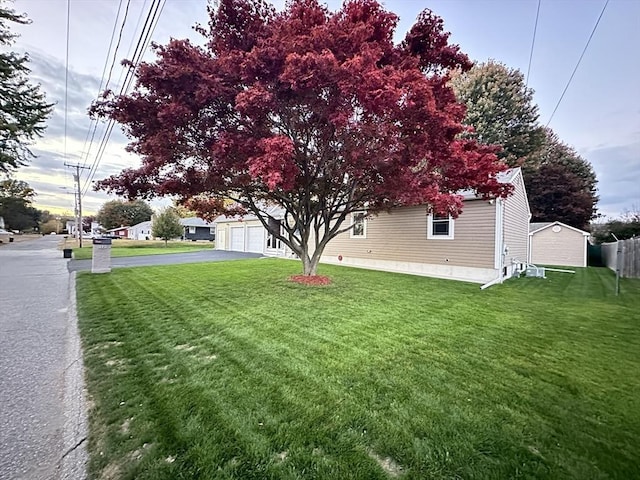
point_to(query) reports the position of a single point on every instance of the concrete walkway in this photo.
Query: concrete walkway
(42, 411)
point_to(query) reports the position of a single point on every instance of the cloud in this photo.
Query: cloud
(618, 171)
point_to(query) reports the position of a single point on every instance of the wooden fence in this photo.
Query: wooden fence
(625, 255)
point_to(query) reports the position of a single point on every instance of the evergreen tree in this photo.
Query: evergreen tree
(23, 108)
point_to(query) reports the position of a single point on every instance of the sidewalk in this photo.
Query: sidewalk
(42, 418)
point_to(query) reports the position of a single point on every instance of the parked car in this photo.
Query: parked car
(5, 236)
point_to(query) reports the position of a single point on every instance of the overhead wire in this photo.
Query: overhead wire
(153, 16)
(533, 42)
(93, 124)
(593, 31)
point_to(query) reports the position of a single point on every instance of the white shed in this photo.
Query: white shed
(555, 243)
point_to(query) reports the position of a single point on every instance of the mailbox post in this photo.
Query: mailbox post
(101, 259)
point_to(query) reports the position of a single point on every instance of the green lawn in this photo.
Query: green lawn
(132, 248)
(228, 370)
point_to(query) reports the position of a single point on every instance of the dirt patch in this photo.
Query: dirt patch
(139, 453)
(124, 428)
(110, 472)
(313, 280)
(387, 464)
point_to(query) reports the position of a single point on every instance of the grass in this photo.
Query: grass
(132, 248)
(233, 372)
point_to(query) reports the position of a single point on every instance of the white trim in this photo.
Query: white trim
(498, 236)
(431, 236)
(448, 272)
(586, 234)
(364, 225)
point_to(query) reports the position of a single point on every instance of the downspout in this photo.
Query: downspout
(498, 244)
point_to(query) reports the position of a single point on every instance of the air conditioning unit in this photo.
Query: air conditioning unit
(533, 271)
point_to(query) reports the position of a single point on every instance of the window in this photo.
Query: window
(272, 241)
(212, 230)
(440, 227)
(359, 224)
(192, 229)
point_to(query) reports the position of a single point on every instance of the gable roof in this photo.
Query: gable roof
(144, 224)
(508, 176)
(539, 226)
(195, 222)
(274, 211)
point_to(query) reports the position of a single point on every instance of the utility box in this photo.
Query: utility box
(101, 258)
(533, 271)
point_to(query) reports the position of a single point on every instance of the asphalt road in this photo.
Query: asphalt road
(210, 255)
(35, 338)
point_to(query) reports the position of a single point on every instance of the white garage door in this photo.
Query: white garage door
(237, 239)
(255, 239)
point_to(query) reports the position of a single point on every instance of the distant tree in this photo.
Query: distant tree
(51, 225)
(16, 208)
(11, 188)
(575, 196)
(557, 194)
(627, 226)
(500, 110)
(166, 225)
(182, 211)
(116, 213)
(23, 109)
(317, 112)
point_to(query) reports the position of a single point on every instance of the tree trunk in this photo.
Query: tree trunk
(310, 263)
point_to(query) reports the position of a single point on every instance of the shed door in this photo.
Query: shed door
(237, 239)
(255, 239)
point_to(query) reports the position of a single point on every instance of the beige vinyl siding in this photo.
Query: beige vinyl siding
(516, 223)
(563, 248)
(402, 236)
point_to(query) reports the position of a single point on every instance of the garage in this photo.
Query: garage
(237, 239)
(255, 239)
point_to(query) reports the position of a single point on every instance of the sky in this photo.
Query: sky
(599, 115)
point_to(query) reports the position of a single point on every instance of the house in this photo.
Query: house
(556, 243)
(487, 243)
(198, 229)
(247, 234)
(119, 232)
(141, 231)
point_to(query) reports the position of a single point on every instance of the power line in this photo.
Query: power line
(66, 79)
(533, 42)
(144, 39)
(578, 64)
(94, 122)
(115, 52)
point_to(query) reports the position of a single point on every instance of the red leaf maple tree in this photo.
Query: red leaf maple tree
(317, 112)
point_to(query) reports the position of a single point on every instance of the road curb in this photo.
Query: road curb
(73, 464)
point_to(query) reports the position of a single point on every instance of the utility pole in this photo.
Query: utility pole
(76, 177)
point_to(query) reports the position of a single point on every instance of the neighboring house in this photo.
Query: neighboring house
(70, 227)
(122, 232)
(141, 231)
(555, 243)
(198, 229)
(486, 243)
(247, 234)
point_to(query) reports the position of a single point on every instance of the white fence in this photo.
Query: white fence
(625, 255)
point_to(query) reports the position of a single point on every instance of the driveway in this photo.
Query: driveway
(168, 259)
(40, 365)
